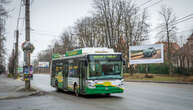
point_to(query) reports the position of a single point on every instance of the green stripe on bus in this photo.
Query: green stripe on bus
(103, 90)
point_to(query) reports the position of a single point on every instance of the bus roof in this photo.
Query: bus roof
(85, 51)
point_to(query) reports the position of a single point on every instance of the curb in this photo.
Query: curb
(168, 82)
(15, 94)
(21, 96)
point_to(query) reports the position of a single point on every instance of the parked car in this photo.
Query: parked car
(149, 52)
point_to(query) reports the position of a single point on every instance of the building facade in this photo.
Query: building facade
(183, 59)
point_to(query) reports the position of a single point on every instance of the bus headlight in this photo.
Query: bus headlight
(91, 84)
(121, 85)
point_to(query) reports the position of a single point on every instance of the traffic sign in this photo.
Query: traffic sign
(27, 47)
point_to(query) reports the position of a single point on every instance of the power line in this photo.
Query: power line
(145, 3)
(47, 34)
(179, 20)
(155, 3)
(187, 30)
(44, 33)
(184, 20)
(19, 15)
(184, 17)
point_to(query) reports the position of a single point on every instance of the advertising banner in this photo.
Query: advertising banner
(43, 64)
(146, 54)
(27, 72)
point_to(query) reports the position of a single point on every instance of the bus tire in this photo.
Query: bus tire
(108, 94)
(56, 85)
(76, 90)
(58, 90)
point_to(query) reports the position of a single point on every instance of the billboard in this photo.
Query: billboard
(146, 54)
(43, 64)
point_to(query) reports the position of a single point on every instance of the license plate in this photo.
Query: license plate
(107, 83)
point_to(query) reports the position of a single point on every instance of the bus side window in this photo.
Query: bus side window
(76, 71)
(116, 68)
(59, 67)
(64, 69)
(82, 69)
(70, 70)
(67, 66)
(53, 68)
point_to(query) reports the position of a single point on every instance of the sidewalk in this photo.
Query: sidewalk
(9, 88)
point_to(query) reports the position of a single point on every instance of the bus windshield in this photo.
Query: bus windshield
(106, 67)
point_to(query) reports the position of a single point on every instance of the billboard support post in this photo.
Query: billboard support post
(146, 68)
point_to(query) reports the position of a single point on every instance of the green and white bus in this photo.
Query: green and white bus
(88, 71)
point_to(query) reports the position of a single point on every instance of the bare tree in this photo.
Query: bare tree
(167, 31)
(116, 24)
(11, 63)
(135, 27)
(3, 15)
(67, 42)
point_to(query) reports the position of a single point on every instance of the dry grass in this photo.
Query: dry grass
(189, 79)
(158, 77)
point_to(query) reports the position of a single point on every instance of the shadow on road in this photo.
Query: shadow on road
(97, 96)
(101, 96)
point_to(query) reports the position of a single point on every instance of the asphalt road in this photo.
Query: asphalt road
(137, 96)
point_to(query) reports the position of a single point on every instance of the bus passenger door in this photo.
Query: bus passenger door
(65, 76)
(53, 74)
(70, 76)
(82, 75)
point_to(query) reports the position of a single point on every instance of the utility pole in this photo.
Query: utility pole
(16, 54)
(13, 61)
(27, 38)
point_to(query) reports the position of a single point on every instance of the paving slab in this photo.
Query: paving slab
(10, 88)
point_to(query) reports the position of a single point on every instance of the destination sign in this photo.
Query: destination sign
(104, 57)
(72, 53)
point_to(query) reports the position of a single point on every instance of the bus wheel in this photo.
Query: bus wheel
(108, 94)
(58, 90)
(76, 90)
(56, 83)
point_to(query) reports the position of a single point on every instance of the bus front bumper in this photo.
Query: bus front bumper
(104, 90)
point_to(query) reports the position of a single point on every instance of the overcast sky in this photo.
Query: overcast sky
(49, 18)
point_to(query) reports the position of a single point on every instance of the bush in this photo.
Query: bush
(148, 76)
(183, 71)
(2, 69)
(154, 68)
(10, 75)
(189, 79)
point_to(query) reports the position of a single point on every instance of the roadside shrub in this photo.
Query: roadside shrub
(10, 75)
(148, 76)
(2, 69)
(183, 71)
(125, 75)
(134, 76)
(189, 79)
(154, 68)
(18, 76)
